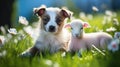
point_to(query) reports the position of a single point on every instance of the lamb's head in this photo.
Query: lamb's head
(117, 35)
(77, 27)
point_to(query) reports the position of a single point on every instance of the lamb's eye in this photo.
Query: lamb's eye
(82, 28)
(71, 28)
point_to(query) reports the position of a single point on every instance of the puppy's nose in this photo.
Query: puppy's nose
(51, 28)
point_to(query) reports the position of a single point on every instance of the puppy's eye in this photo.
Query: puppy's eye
(81, 27)
(58, 20)
(71, 28)
(46, 19)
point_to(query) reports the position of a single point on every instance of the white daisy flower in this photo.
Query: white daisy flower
(56, 65)
(95, 9)
(2, 39)
(90, 16)
(114, 45)
(111, 29)
(117, 35)
(28, 30)
(34, 33)
(48, 62)
(82, 15)
(23, 20)
(108, 13)
(115, 21)
(12, 31)
(3, 53)
(3, 30)
(63, 54)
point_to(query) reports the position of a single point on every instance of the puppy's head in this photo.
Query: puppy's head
(52, 19)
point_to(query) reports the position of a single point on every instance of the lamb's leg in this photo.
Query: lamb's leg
(103, 43)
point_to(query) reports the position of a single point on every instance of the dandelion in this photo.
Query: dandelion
(114, 45)
(111, 29)
(12, 31)
(95, 9)
(23, 20)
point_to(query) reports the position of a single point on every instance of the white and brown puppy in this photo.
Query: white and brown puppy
(52, 36)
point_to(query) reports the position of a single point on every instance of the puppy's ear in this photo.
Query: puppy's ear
(39, 11)
(86, 25)
(66, 13)
(67, 25)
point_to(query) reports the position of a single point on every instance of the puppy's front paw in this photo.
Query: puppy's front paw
(25, 54)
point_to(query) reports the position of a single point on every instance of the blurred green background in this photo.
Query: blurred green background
(104, 18)
(10, 10)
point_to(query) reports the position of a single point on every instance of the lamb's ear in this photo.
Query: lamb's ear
(67, 25)
(39, 11)
(66, 13)
(86, 25)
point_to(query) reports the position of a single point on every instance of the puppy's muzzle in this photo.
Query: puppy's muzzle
(51, 28)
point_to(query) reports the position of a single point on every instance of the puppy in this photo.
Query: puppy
(52, 36)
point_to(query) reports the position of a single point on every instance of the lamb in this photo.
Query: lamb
(80, 40)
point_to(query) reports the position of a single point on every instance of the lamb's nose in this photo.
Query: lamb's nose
(77, 35)
(51, 28)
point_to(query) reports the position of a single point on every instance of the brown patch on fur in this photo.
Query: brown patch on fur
(44, 20)
(60, 22)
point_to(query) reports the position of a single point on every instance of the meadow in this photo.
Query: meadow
(16, 43)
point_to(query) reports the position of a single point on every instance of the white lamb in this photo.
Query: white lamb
(80, 40)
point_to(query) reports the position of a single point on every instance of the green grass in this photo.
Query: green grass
(19, 43)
